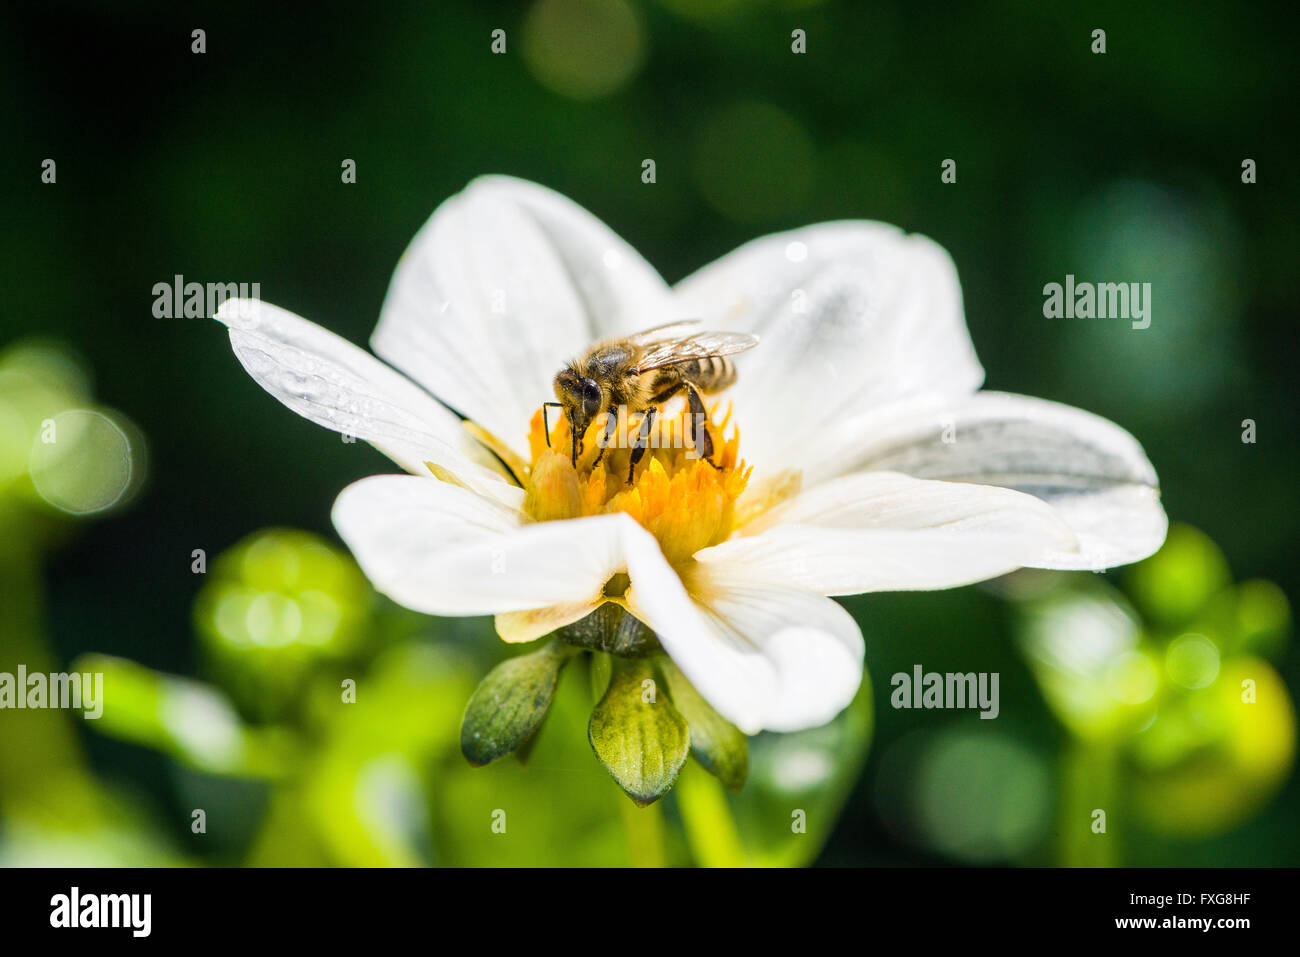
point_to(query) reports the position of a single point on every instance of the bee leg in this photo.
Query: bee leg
(642, 441)
(611, 423)
(700, 418)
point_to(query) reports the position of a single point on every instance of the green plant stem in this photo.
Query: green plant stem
(644, 827)
(711, 831)
(1089, 773)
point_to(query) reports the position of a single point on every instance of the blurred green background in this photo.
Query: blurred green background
(1117, 692)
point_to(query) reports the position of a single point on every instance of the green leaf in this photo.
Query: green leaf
(509, 704)
(637, 733)
(720, 747)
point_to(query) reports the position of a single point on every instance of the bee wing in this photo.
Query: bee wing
(669, 330)
(702, 345)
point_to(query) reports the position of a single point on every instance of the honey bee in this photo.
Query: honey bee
(640, 373)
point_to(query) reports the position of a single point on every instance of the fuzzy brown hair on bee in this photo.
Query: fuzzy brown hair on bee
(641, 372)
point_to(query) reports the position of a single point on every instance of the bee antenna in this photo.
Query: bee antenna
(546, 421)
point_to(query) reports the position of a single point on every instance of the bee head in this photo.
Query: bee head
(582, 399)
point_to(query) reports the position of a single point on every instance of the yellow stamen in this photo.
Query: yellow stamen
(687, 503)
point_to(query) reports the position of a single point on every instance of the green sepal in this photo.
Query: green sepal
(525, 749)
(610, 628)
(637, 733)
(598, 671)
(509, 704)
(721, 748)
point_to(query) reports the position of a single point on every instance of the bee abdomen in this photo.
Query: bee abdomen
(710, 374)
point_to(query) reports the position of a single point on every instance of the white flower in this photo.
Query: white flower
(876, 465)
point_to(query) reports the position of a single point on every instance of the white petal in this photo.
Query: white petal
(520, 626)
(444, 550)
(850, 315)
(1090, 470)
(621, 293)
(328, 380)
(765, 655)
(1115, 526)
(504, 283)
(882, 531)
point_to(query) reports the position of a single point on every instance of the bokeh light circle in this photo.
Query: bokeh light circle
(583, 49)
(82, 462)
(754, 162)
(1132, 678)
(971, 794)
(1192, 661)
(982, 797)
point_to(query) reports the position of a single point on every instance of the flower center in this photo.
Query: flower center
(685, 501)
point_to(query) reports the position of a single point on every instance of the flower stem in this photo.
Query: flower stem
(644, 828)
(711, 830)
(1089, 783)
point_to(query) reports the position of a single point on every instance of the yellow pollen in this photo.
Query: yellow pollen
(683, 500)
